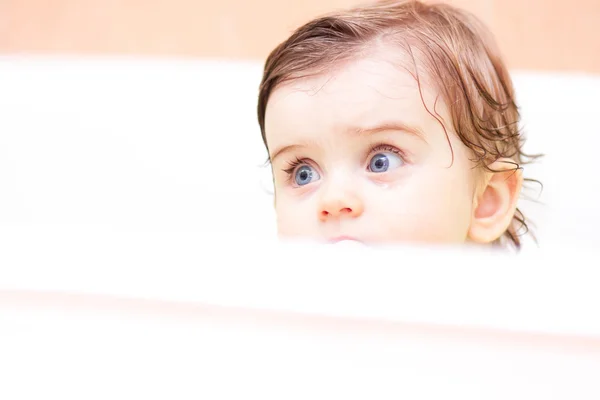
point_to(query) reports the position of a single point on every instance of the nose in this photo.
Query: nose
(340, 204)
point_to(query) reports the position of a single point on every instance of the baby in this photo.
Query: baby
(393, 122)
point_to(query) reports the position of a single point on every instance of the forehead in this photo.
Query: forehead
(362, 92)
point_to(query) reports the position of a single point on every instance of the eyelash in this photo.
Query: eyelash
(292, 165)
(386, 147)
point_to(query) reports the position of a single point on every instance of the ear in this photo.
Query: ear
(496, 200)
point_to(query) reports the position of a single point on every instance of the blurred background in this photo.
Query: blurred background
(533, 34)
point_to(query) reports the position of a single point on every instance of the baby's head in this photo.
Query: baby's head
(393, 122)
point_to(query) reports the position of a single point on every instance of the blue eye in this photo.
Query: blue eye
(305, 175)
(381, 162)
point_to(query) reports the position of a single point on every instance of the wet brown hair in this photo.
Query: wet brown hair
(456, 52)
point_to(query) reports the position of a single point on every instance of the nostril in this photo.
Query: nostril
(346, 210)
(324, 213)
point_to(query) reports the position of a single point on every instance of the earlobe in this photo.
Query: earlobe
(496, 203)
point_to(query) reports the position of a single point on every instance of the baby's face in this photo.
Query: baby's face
(355, 154)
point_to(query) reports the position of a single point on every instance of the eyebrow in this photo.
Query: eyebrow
(389, 126)
(365, 130)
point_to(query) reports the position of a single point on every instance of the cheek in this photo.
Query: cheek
(431, 207)
(292, 216)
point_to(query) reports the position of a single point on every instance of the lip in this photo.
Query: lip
(339, 239)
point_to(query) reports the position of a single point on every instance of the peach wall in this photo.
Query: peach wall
(533, 34)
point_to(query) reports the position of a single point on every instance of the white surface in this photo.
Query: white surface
(133, 146)
(137, 255)
(97, 349)
(532, 293)
(85, 314)
(120, 350)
